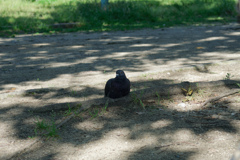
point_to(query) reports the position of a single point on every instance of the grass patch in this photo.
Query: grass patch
(35, 16)
(97, 111)
(48, 129)
(137, 99)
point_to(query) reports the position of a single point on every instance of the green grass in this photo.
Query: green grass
(36, 16)
(48, 129)
(69, 111)
(228, 76)
(98, 111)
(137, 99)
(41, 125)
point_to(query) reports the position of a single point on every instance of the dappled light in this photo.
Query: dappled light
(86, 56)
(50, 77)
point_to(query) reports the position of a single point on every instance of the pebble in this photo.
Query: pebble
(183, 105)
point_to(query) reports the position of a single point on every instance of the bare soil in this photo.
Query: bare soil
(47, 77)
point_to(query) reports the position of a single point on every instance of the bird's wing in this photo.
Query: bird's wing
(116, 89)
(108, 87)
(127, 87)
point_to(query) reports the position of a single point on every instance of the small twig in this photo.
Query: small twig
(219, 97)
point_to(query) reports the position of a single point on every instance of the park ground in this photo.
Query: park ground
(49, 78)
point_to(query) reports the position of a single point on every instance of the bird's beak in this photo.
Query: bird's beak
(117, 75)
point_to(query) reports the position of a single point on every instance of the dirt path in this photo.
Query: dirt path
(41, 75)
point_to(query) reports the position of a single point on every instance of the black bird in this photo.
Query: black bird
(117, 87)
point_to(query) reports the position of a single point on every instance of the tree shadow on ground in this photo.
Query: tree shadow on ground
(38, 61)
(153, 130)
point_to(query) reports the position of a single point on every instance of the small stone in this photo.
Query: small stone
(139, 113)
(183, 105)
(215, 116)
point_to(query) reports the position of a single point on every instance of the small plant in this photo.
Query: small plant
(74, 93)
(144, 75)
(228, 76)
(69, 111)
(41, 125)
(53, 114)
(99, 111)
(141, 103)
(30, 137)
(48, 130)
(134, 98)
(76, 112)
(238, 84)
(169, 97)
(137, 99)
(159, 98)
(94, 113)
(30, 112)
(52, 130)
(104, 109)
(30, 93)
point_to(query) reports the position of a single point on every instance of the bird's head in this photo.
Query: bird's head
(120, 74)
